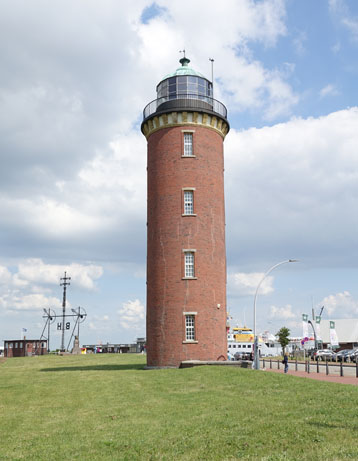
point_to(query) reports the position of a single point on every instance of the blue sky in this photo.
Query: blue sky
(75, 79)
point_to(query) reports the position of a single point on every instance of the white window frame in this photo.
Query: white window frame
(190, 327)
(188, 144)
(189, 264)
(188, 204)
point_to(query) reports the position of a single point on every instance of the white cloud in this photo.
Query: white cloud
(35, 270)
(28, 302)
(117, 180)
(299, 43)
(340, 305)
(284, 316)
(340, 9)
(293, 186)
(246, 283)
(335, 5)
(282, 313)
(328, 90)
(132, 315)
(352, 26)
(30, 287)
(99, 323)
(5, 275)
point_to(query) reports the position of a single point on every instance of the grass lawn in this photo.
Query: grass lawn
(106, 407)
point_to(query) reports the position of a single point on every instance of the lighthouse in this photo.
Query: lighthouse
(185, 128)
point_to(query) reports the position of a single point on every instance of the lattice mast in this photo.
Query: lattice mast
(65, 284)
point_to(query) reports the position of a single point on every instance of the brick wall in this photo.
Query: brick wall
(168, 295)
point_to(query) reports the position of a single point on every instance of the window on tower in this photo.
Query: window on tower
(189, 271)
(190, 327)
(188, 145)
(182, 86)
(188, 197)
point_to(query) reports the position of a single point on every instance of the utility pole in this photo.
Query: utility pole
(65, 283)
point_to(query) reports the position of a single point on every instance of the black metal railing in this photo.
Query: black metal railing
(331, 368)
(185, 101)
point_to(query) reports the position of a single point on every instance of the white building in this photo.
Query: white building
(346, 329)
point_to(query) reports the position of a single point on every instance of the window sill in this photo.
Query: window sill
(188, 156)
(187, 214)
(190, 342)
(189, 278)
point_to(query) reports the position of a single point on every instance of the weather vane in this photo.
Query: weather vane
(182, 51)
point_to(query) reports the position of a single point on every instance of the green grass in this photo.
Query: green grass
(106, 407)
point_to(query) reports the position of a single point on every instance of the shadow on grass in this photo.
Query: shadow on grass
(129, 366)
(331, 425)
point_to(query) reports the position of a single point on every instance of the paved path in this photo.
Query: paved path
(318, 376)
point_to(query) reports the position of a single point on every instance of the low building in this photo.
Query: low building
(112, 348)
(24, 347)
(346, 329)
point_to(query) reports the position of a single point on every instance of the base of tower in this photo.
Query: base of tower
(158, 368)
(198, 363)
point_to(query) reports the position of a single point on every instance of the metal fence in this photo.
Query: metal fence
(329, 368)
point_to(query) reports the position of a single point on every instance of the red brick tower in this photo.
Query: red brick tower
(186, 261)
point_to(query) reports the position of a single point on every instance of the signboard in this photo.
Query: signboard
(67, 325)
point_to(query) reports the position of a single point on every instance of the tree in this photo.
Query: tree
(283, 335)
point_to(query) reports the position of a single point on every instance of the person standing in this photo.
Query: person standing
(285, 362)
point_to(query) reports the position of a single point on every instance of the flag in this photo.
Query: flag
(305, 325)
(318, 328)
(24, 330)
(333, 334)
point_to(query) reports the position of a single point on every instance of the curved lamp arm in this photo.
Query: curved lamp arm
(256, 292)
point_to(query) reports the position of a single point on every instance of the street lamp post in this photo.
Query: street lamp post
(256, 364)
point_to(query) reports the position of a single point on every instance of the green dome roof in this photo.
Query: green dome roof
(184, 70)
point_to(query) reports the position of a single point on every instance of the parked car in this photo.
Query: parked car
(352, 355)
(343, 355)
(325, 354)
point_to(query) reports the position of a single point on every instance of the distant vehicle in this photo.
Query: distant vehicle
(343, 355)
(311, 353)
(352, 355)
(325, 354)
(242, 356)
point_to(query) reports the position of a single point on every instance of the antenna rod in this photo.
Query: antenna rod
(65, 283)
(212, 76)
